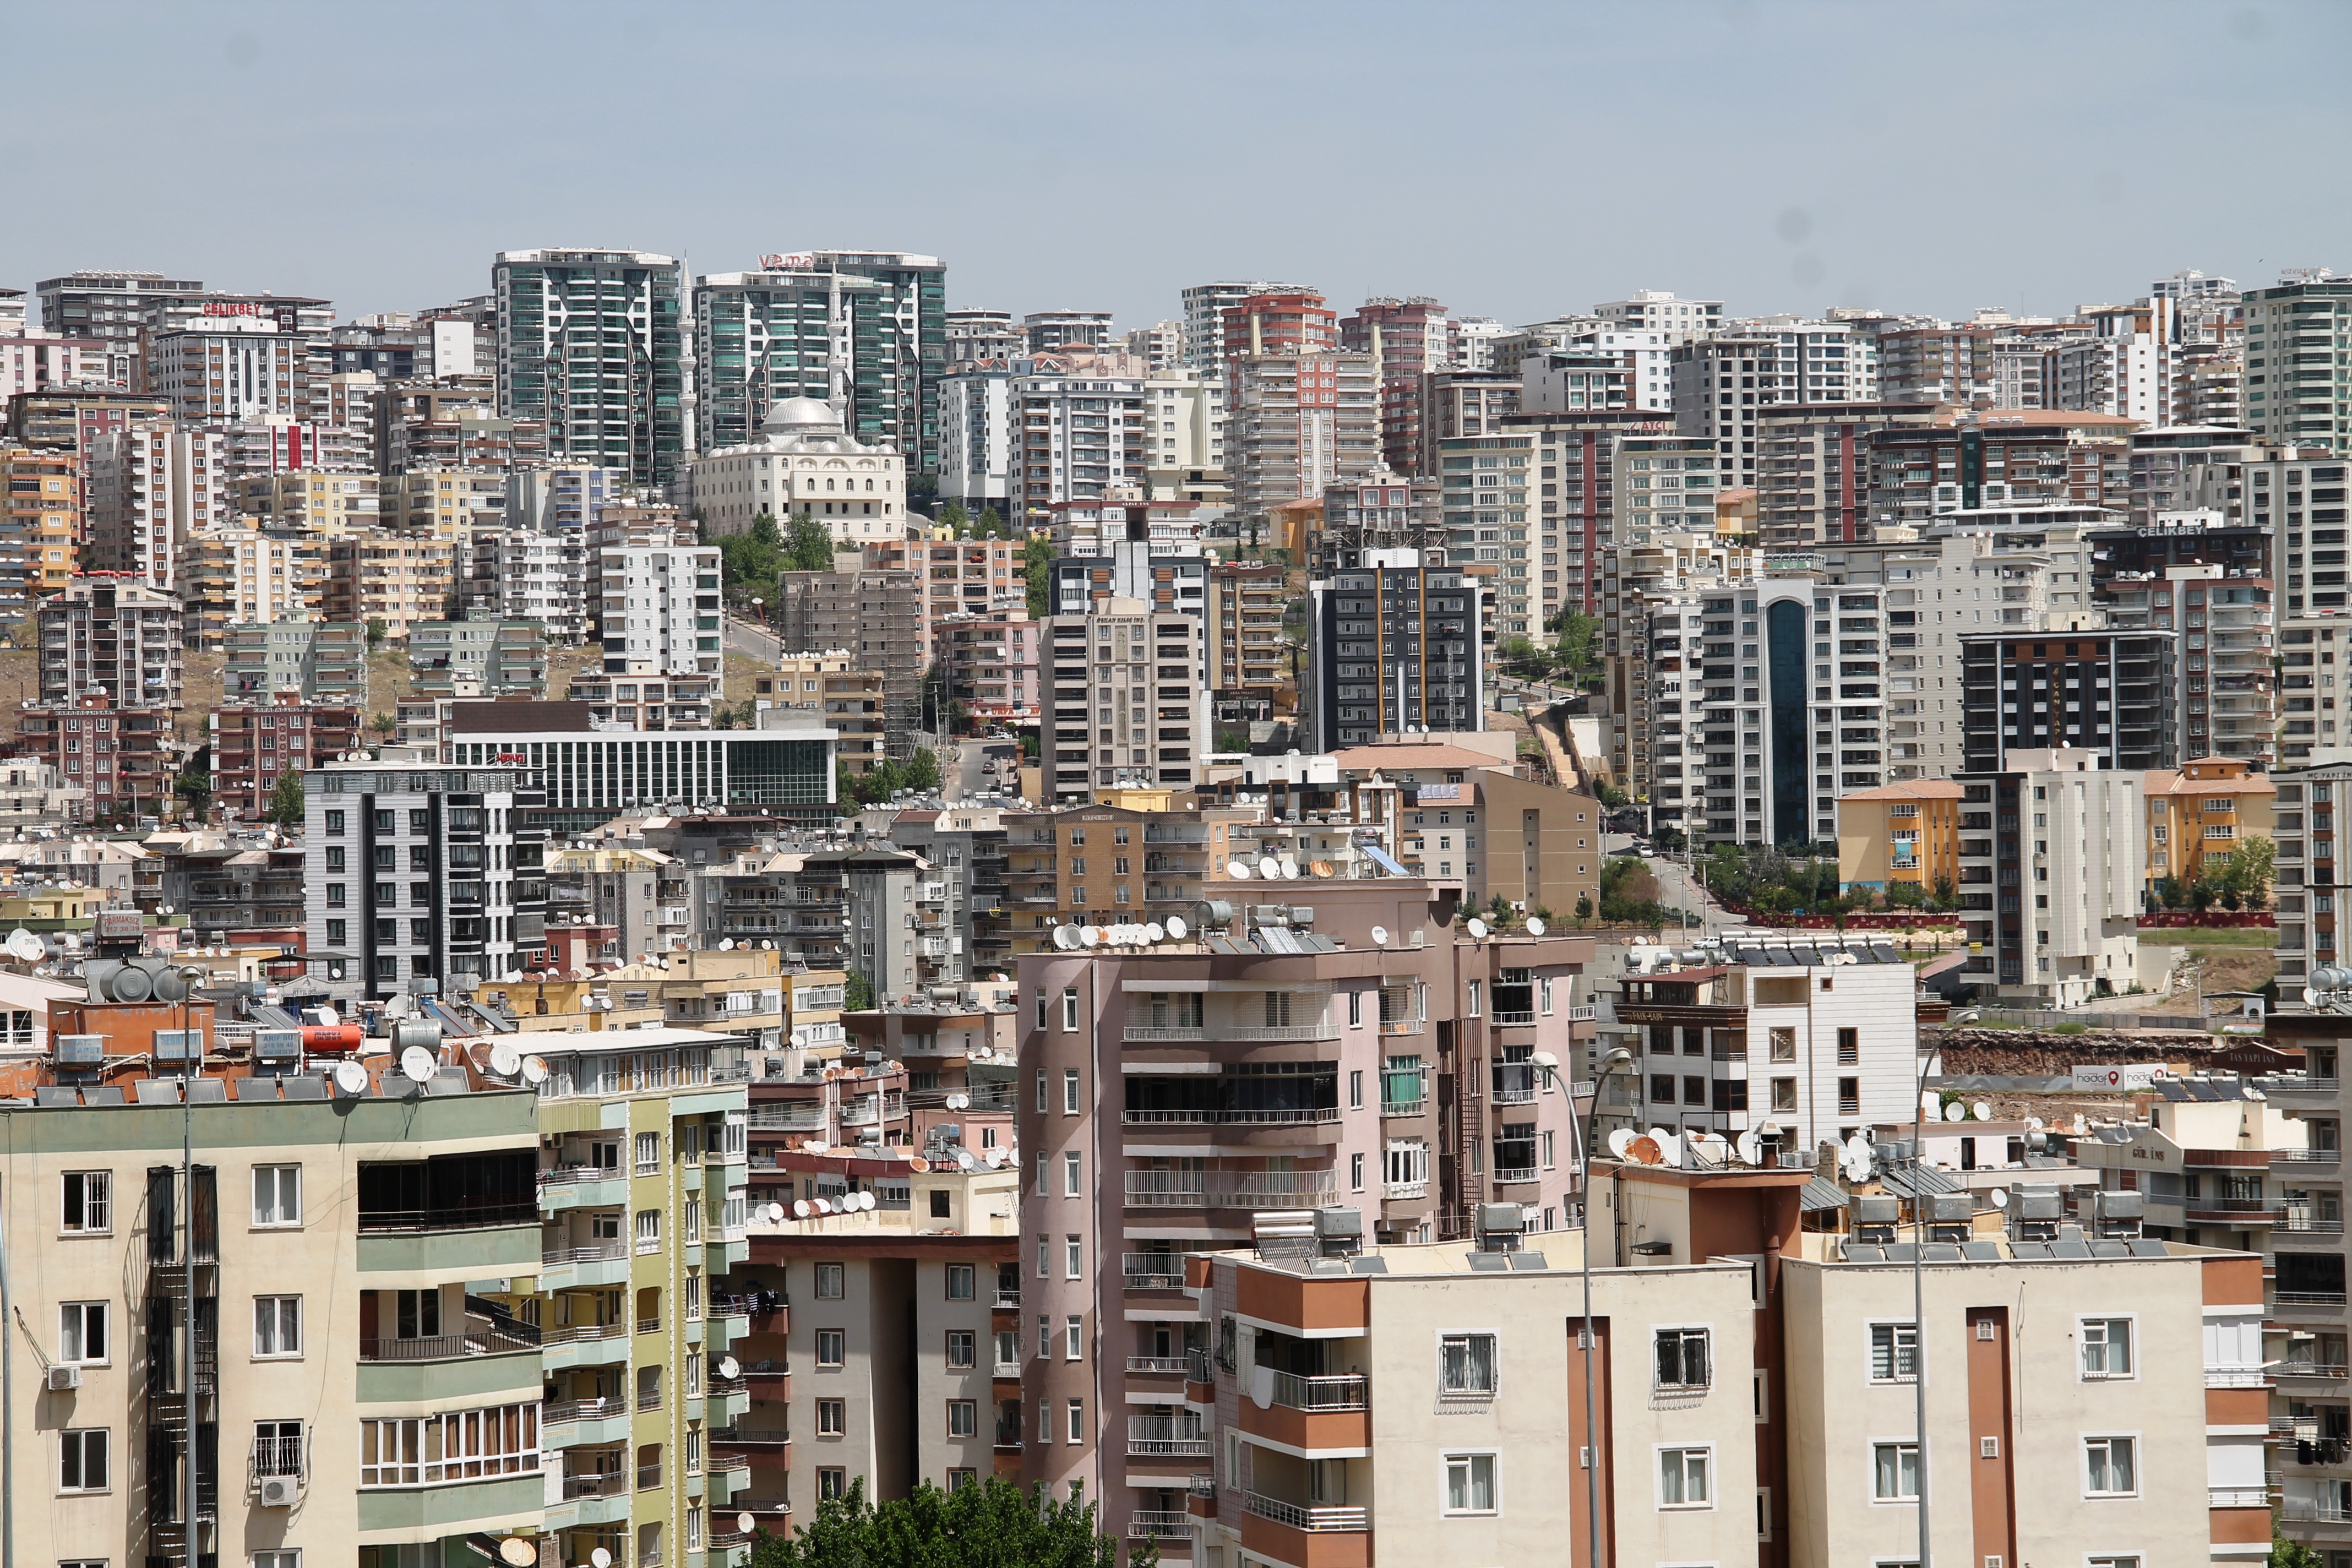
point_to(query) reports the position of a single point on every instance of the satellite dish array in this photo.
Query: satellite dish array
(1932, 1107)
(2330, 988)
(1267, 868)
(1854, 1161)
(1070, 939)
(1664, 1146)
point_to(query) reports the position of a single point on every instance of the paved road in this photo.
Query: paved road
(752, 641)
(1678, 888)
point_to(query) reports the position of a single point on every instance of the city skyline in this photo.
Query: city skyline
(1042, 115)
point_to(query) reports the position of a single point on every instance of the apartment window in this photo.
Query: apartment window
(962, 1344)
(1470, 1483)
(1355, 1089)
(1070, 1170)
(1465, 1366)
(831, 1482)
(648, 1153)
(1681, 1357)
(1069, 1009)
(2109, 1468)
(829, 1278)
(1355, 1009)
(2106, 1347)
(288, 1558)
(1784, 1094)
(1073, 1338)
(277, 1195)
(963, 1418)
(648, 1230)
(1044, 1257)
(1894, 1472)
(1784, 1044)
(2110, 1561)
(1041, 1091)
(830, 1346)
(1069, 1091)
(1355, 1172)
(278, 1325)
(1044, 1187)
(1077, 1424)
(81, 1333)
(89, 1205)
(1894, 1353)
(81, 1460)
(1683, 1477)
(958, 1479)
(832, 1417)
(1072, 1257)
(1474, 998)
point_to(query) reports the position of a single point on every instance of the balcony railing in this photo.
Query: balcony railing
(1267, 1190)
(379, 1222)
(2307, 1297)
(2306, 1156)
(1341, 1391)
(1404, 1189)
(446, 1347)
(1156, 1363)
(1312, 1519)
(608, 1483)
(595, 1252)
(564, 1410)
(1152, 1271)
(1145, 1524)
(1301, 1116)
(1516, 1176)
(1164, 1437)
(2326, 1370)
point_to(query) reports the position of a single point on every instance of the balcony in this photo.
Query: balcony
(2315, 1370)
(1264, 1190)
(446, 1347)
(1148, 1524)
(750, 1436)
(1152, 1271)
(1517, 1177)
(1343, 1391)
(1165, 1436)
(1161, 1366)
(1310, 1519)
(1404, 1107)
(1294, 1117)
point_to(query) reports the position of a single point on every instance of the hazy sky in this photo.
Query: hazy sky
(1512, 159)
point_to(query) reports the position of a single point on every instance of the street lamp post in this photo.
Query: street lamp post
(1548, 1065)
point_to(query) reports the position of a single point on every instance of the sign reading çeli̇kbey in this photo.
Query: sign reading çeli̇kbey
(2136, 1075)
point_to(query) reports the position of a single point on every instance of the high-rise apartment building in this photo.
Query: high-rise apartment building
(1721, 385)
(978, 438)
(875, 616)
(1394, 646)
(1296, 424)
(399, 579)
(2021, 459)
(1290, 322)
(989, 660)
(424, 874)
(41, 523)
(1939, 364)
(803, 331)
(1204, 317)
(1453, 404)
(1405, 339)
(1078, 436)
(1160, 346)
(2050, 870)
(321, 661)
(1657, 310)
(1121, 698)
(1247, 663)
(233, 370)
(979, 335)
(108, 305)
(658, 610)
(1049, 331)
(519, 575)
(248, 576)
(252, 744)
(2112, 693)
(2292, 394)
(588, 343)
(151, 486)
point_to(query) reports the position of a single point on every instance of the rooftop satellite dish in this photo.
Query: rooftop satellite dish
(517, 1551)
(2309, 995)
(1999, 1197)
(800, 1210)
(534, 1070)
(600, 1558)
(1749, 1148)
(1930, 1101)
(1643, 1151)
(350, 1077)
(399, 1007)
(815, 1145)
(1238, 868)
(1858, 1145)
(775, 1212)
(1671, 1148)
(825, 1205)
(918, 1164)
(1477, 931)
(1323, 868)
(418, 1065)
(24, 946)
(2035, 1123)
(743, 1522)
(1091, 936)
(1535, 925)
(964, 1161)
(1380, 936)
(329, 1018)
(1620, 1140)
(1290, 870)
(729, 1367)
(1955, 1111)
(505, 1061)
(1981, 1111)
(868, 1201)
(1064, 938)
(1269, 868)
(958, 1102)
(1177, 928)
(725, 944)
(1154, 932)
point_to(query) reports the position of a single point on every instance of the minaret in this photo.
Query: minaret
(690, 399)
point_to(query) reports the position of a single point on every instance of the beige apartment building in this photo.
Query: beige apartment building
(323, 500)
(851, 700)
(398, 579)
(350, 1399)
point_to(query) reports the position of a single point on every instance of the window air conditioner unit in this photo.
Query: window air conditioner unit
(280, 1492)
(64, 1379)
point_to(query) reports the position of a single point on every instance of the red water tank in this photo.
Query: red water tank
(334, 1039)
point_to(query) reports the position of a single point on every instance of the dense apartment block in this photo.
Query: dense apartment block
(2051, 858)
(41, 524)
(423, 873)
(121, 757)
(1989, 460)
(1124, 705)
(1282, 1062)
(874, 616)
(828, 689)
(280, 734)
(1393, 646)
(1247, 663)
(316, 660)
(109, 636)
(151, 486)
(400, 580)
(1298, 422)
(248, 576)
(988, 660)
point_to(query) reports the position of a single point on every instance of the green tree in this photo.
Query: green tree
(382, 724)
(921, 771)
(857, 995)
(196, 787)
(1037, 562)
(2286, 1554)
(285, 800)
(2249, 870)
(1232, 740)
(751, 560)
(375, 633)
(991, 1523)
(954, 515)
(1579, 636)
(808, 547)
(992, 523)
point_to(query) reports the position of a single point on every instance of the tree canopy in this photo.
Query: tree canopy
(809, 546)
(990, 1523)
(286, 803)
(921, 771)
(1037, 561)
